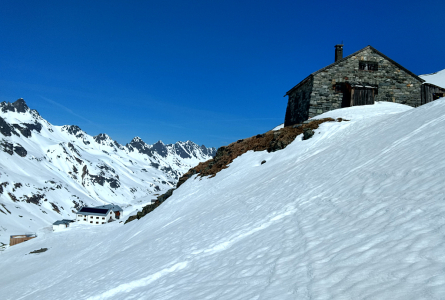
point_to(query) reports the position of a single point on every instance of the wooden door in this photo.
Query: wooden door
(362, 96)
(346, 90)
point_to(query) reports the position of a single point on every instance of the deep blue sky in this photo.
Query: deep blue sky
(207, 71)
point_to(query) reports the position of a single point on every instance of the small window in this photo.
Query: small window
(103, 218)
(368, 65)
(97, 217)
(84, 219)
(338, 88)
(97, 222)
(103, 222)
(91, 222)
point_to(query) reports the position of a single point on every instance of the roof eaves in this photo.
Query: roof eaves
(113, 207)
(298, 85)
(58, 222)
(436, 86)
(92, 213)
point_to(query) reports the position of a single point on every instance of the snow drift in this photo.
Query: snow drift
(355, 212)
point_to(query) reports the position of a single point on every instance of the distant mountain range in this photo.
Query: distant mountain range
(47, 172)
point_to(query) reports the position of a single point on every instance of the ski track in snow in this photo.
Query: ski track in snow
(198, 254)
(127, 287)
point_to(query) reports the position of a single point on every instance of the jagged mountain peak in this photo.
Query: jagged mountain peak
(140, 145)
(137, 139)
(72, 129)
(105, 139)
(160, 148)
(189, 149)
(102, 137)
(183, 150)
(188, 142)
(17, 106)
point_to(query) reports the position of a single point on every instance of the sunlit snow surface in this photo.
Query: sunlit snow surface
(356, 212)
(437, 78)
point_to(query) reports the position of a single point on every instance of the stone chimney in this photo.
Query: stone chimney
(338, 52)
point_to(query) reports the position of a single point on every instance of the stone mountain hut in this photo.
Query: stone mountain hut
(361, 78)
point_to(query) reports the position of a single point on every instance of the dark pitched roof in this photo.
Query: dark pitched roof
(91, 210)
(64, 221)
(112, 206)
(349, 56)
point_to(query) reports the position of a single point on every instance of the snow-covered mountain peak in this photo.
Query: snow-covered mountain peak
(137, 139)
(62, 167)
(160, 148)
(106, 140)
(17, 119)
(73, 130)
(138, 144)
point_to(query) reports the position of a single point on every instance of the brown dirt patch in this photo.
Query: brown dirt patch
(271, 141)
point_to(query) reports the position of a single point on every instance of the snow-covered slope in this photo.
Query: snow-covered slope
(437, 78)
(47, 171)
(355, 212)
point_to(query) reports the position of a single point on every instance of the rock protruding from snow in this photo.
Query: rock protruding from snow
(72, 129)
(17, 106)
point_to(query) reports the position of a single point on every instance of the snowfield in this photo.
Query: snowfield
(356, 212)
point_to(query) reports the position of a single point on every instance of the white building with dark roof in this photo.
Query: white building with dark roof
(99, 214)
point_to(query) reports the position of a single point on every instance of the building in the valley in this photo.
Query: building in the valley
(361, 78)
(20, 238)
(99, 214)
(62, 224)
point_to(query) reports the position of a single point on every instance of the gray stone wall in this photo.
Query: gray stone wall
(298, 105)
(393, 83)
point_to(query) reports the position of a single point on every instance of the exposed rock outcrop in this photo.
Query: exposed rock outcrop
(150, 207)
